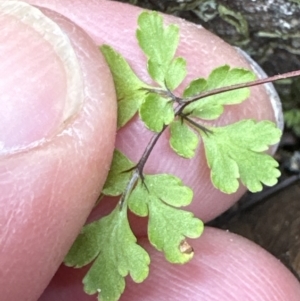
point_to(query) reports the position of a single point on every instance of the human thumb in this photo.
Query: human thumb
(57, 131)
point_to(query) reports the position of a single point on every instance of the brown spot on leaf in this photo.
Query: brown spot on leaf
(185, 247)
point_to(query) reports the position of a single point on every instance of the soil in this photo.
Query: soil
(271, 218)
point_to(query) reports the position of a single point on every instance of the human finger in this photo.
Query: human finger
(58, 116)
(225, 267)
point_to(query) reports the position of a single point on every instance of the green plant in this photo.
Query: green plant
(109, 242)
(291, 107)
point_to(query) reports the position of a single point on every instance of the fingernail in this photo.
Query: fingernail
(270, 89)
(41, 81)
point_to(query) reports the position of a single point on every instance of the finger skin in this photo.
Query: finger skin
(226, 267)
(97, 19)
(115, 24)
(204, 278)
(49, 188)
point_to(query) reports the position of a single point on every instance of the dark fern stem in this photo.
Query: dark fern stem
(182, 104)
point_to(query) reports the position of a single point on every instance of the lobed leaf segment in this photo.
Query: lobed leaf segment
(235, 153)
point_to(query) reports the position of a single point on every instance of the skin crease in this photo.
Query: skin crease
(194, 44)
(47, 191)
(225, 267)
